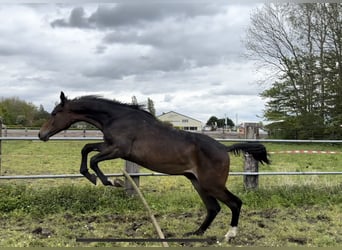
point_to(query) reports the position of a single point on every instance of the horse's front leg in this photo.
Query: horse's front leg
(107, 153)
(85, 151)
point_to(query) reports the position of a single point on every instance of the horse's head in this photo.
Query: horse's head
(61, 119)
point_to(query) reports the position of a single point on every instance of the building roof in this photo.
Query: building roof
(173, 112)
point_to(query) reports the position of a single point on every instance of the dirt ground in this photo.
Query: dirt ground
(268, 227)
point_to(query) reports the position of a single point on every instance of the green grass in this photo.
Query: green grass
(35, 157)
(300, 215)
(283, 211)
(63, 157)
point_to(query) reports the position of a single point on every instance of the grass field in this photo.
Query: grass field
(284, 211)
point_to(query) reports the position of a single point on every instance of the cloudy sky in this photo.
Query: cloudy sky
(187, 57)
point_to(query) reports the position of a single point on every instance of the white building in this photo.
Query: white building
(181, 121)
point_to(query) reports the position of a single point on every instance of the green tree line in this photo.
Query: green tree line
(16, 112)
(301, 44)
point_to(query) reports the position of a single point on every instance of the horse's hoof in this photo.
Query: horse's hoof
(93, 179)
(108, 183)
(119, 183)
(231, 234)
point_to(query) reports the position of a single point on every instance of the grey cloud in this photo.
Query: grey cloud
(100, 49)
(168, 98)
(126, 14)
(171, 51)
(180, 36)
(118, 67)
(76, 19)
(196, 41)
(234, 90)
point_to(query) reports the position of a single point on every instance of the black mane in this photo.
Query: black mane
(99, 99)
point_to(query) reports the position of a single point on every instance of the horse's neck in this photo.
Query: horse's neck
(92, 121)
(98, 115)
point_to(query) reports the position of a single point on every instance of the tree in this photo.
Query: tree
(18, 112)
(214, 122)
(229, 122)
(302, 43)
(134, 100)
(40, 116)
(150, 106)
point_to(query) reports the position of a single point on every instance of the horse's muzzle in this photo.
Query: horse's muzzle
(43, 137)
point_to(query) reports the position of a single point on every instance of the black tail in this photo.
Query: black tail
(257, 150)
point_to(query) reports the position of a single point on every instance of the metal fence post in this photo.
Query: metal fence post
(131, 167)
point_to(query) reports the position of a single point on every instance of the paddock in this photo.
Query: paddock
(317, 171)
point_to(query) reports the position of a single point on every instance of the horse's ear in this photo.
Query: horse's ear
(63, 98)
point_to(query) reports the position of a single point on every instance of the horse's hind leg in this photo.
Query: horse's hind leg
(213, 207)
(234, 203)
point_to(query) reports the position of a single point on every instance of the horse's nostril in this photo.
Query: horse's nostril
(42, 137)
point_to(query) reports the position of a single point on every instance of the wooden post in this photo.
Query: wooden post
(251, 165)
(154, 221)
(130, 168)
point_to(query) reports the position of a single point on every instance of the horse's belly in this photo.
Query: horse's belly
(166, 168)
(165, 157)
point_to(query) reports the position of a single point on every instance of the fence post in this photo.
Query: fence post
(130, 168)
(251, 165)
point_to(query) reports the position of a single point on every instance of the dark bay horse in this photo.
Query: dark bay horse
(133, 134)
